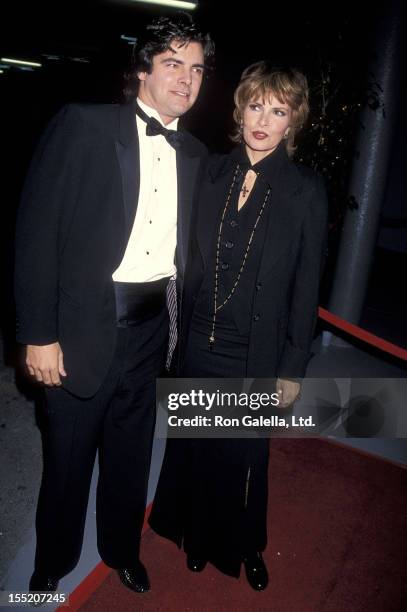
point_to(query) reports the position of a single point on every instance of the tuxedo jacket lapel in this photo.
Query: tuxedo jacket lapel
(188, 161)
(128, 154)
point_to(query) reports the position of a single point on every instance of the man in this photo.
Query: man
(106, 201)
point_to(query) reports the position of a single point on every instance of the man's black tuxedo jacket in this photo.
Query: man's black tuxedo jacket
(77, 211)
(284, 305)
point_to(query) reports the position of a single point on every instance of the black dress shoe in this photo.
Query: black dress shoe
(42, 583)
(135, 578)
(195, 563)
(256, 571)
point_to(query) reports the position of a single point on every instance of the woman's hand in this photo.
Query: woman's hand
(288, 391)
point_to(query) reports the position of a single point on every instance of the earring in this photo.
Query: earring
(286, 135)
(240, 130)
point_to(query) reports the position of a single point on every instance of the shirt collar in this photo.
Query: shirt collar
(268, 167)
(151, 112)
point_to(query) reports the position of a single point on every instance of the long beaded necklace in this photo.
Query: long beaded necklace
(216, 308)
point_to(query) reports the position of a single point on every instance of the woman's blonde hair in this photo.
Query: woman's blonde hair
(261, 81)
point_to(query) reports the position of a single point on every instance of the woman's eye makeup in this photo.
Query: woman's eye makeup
(280, 112)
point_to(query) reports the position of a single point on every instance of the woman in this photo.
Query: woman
(249, 310)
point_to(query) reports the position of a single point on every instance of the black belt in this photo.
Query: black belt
(138, 302)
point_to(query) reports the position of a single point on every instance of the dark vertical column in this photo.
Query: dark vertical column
(369, 172)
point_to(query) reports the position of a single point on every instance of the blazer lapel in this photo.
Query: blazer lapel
(284, 216)
(127, 149)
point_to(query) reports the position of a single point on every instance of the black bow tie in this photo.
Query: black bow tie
(154, 127)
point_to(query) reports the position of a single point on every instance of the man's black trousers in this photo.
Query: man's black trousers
(119, 423)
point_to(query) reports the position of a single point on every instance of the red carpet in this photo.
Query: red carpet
(337, 542)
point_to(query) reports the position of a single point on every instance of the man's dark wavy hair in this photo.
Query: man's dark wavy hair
(157, 39)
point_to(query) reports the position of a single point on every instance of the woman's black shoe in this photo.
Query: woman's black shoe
(135, 578)
(195, 564)
(256, 571)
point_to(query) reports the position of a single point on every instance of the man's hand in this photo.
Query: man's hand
(46, 363)
(288, 391)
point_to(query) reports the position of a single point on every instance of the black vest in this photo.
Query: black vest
(233, 320)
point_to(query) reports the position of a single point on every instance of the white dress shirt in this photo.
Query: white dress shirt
(150, 250)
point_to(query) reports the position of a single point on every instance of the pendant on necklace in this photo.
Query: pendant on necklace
(244, 190)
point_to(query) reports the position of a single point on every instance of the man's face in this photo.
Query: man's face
(174, 83)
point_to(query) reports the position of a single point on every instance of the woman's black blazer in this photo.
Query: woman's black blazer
(284, 302)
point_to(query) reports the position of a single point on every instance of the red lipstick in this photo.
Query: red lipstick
(259, 135)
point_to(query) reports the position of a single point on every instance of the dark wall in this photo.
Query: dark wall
(313, 36)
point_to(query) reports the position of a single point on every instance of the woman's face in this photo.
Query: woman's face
(265, 123)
